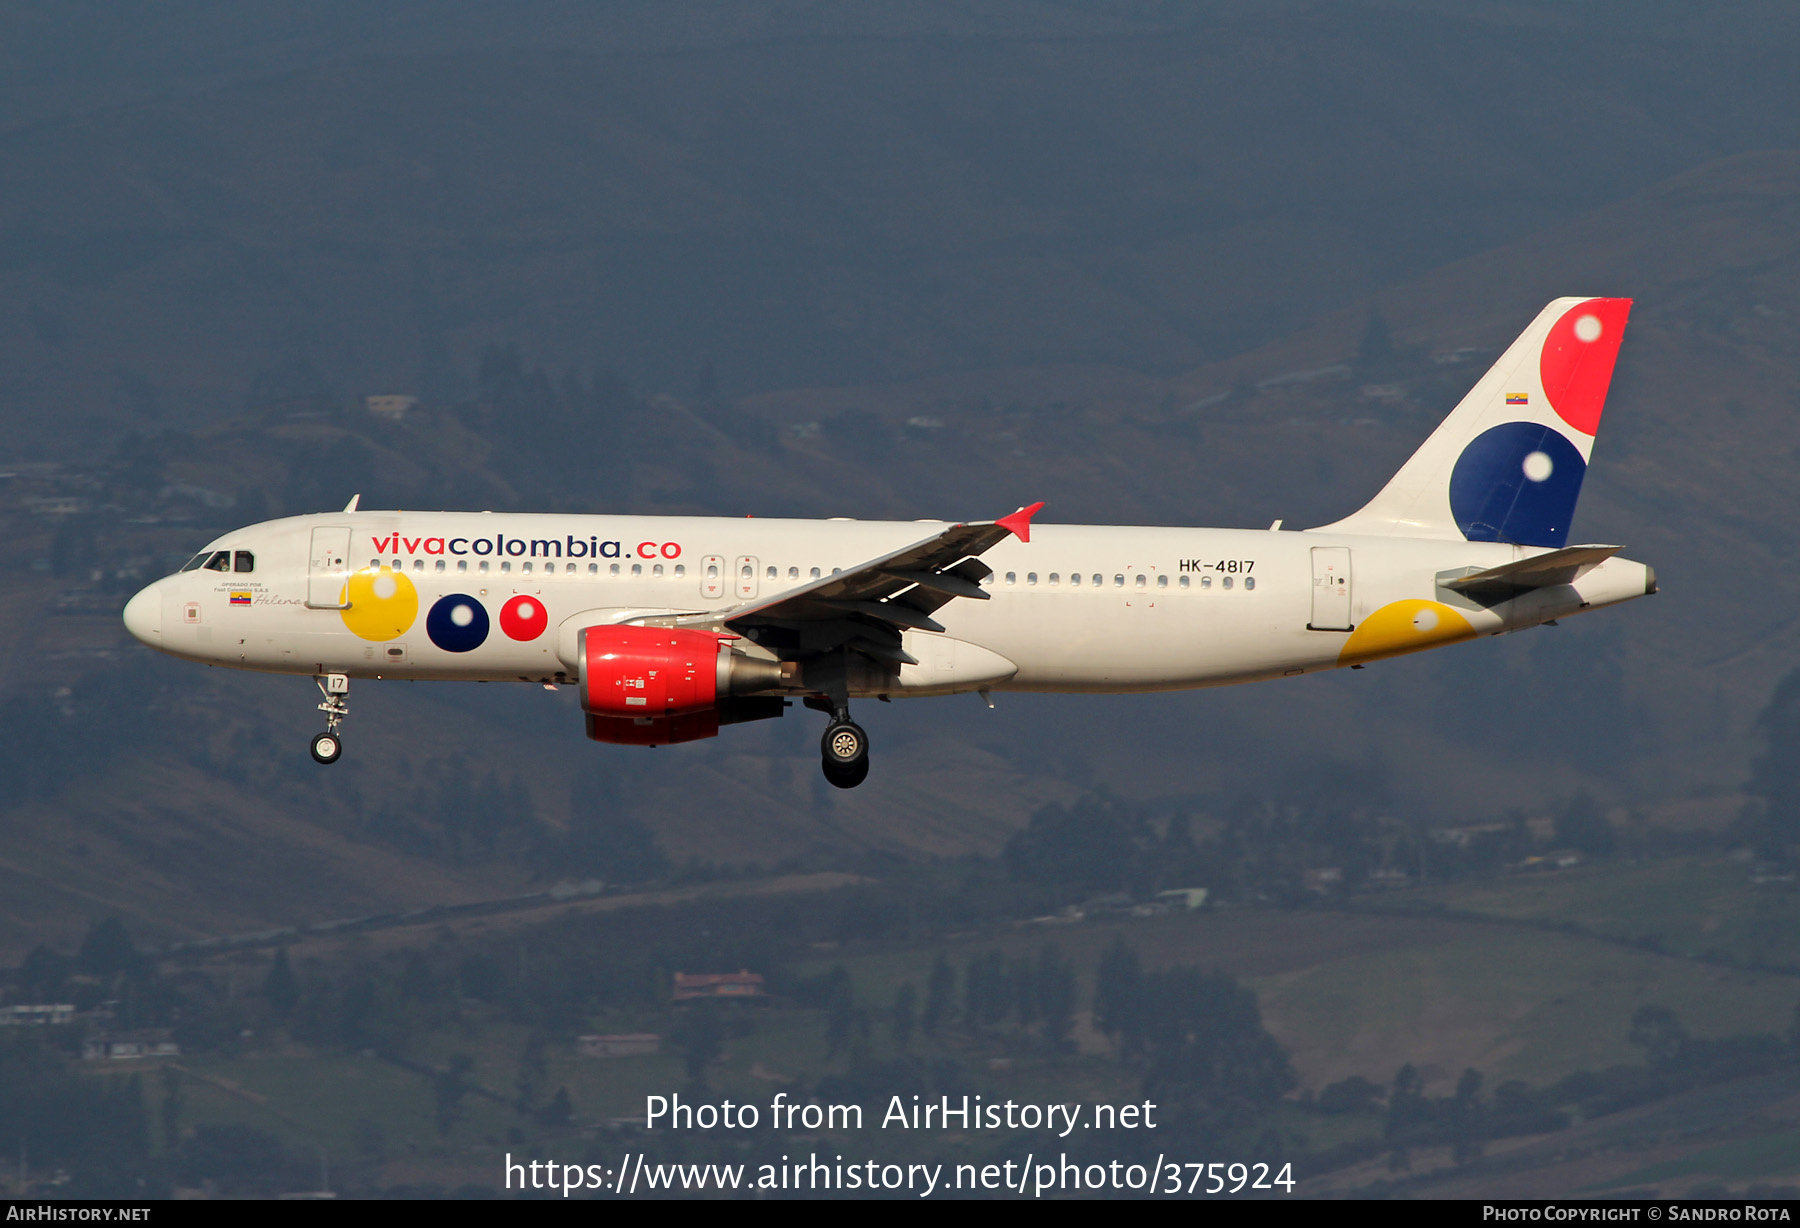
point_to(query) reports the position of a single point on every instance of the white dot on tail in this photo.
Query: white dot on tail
(1538, 466)
(526, 610)
(1425, 619)
(462, 616)
(1587, 328)
(385, 587)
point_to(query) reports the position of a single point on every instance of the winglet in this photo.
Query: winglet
(1019, 523)
(354, 500)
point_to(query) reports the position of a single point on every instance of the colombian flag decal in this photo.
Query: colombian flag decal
(240, 599)
(1518, 398)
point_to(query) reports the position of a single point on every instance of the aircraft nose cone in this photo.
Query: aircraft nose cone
(143, 616)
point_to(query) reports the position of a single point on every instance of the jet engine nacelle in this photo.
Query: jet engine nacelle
(655, 672)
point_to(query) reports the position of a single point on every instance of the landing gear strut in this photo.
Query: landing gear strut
(844, 751)
(327, 746)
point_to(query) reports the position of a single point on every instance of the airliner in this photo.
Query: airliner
(673, 627)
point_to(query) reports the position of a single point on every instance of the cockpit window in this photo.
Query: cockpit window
(220, 561)
(194, 563)
(243, 560)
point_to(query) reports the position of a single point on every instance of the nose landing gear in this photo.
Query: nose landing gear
(328, 746)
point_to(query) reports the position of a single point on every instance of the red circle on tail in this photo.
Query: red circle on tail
(1577, 363)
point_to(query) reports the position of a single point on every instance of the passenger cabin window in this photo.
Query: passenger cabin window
(1140, 581)
(1205, 581)
(793, 573)
(680, 570)
(1075, 579)
(1226, 582)
(418, 564)
(526, 569)
(1162, 581)
(1031, 577)
(1096, 579)
(440, 565)
(1012, 577)
(815, 573)
(462, 564)
(482, 567)
(593, 569)
(637, 569)
(1249, 583)
(1118, 581)
(220, 561)
(506, 566)
(656, 570)
(1183, 582)
(243, 560)
(1055, 578)
(613, 570)
(773, 572)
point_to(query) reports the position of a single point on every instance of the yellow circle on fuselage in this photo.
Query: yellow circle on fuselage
(382, 603)
(1404, 626)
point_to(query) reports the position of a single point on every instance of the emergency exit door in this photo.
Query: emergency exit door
(1331, 589)
(745, 567)
(328, 569)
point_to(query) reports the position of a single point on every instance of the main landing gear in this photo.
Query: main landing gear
(328, 746)
(844, 751)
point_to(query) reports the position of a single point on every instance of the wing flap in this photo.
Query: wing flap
(897, 591)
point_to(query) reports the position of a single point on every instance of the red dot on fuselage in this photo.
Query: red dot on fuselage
(523, 618)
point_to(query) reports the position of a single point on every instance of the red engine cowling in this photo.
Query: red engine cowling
(649, 671)
(654, 731)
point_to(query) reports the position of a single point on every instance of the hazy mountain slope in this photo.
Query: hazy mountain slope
(798, 211)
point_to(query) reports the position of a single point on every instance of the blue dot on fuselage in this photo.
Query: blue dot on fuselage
(1517, 483)
(457, 623)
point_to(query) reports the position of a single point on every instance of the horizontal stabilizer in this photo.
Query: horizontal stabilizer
(1494, 584)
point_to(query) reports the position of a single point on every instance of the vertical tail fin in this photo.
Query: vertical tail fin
(1507, 464)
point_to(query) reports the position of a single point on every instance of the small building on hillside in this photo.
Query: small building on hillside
(740, 984)
(623, 1044)
(127, 1046)
(37, 1014)
(391, 407)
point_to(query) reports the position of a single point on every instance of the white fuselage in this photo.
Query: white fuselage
(1078, 608)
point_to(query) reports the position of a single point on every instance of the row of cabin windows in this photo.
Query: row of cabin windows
(221, 560)
(483, 566)
(1138, 581)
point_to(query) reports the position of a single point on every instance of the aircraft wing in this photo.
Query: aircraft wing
(869, 605)
(1539, 571)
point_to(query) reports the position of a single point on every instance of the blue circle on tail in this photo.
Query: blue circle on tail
(1517, 483)
(457, 623)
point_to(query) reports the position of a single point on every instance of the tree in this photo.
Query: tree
(1118, 994)
(1658, 1032)
(534, 1071)
(985, 999)
(940, 996)
(560, 1111)
(280, 988)
(448, 1088)
(1582, 826)
(700, 1033)
(171, 1110)
(107, 949)
(1055, 982)
(1376, 351)
(905, 1016)
(1467, 1118)
(1775, 774)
